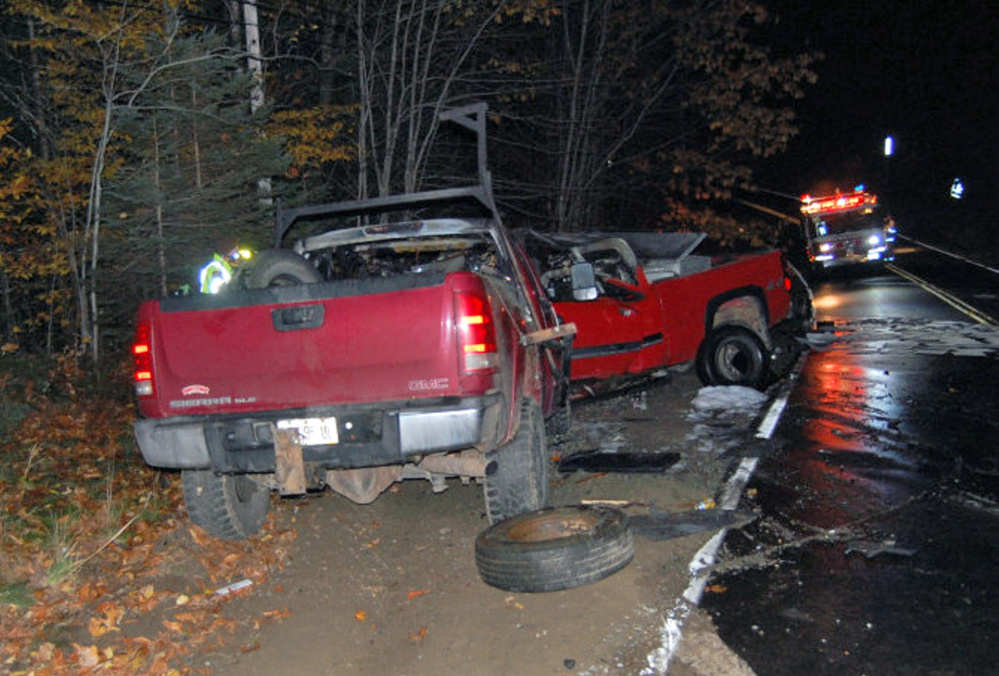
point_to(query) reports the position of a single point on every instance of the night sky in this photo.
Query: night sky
(924, 71)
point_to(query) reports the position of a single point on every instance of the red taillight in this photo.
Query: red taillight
(476, 333)
(787, 283)
(141, 351)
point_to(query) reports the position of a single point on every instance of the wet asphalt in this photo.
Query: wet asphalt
(875, 550)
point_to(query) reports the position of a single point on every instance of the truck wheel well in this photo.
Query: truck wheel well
(744, 307)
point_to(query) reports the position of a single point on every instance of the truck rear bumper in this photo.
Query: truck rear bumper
(368, 436)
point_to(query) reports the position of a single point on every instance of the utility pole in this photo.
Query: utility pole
(251, 28)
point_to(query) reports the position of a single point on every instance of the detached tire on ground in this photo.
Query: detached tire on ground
(231, 507)
(517, 473)
(733, 355)
(280, 267)
(554, 548)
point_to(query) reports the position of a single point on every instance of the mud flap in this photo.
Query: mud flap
(289, 468)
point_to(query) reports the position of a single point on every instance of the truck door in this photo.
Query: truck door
(620, 331)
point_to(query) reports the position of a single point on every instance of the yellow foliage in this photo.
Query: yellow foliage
(315, 136)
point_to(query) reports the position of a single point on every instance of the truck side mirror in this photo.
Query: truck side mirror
(584, 282)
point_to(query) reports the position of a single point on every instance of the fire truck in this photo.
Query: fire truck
(846, 229)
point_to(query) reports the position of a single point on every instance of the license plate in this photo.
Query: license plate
(312, 431)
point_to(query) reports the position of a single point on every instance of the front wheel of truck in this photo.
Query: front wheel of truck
(231, 507)
(733, 355)
(517, 473)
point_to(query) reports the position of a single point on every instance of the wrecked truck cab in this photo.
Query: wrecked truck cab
(659, 305)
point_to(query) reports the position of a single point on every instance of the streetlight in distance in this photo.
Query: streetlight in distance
(889, 151)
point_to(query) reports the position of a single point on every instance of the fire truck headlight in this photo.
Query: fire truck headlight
(825, 247)
(874, 240)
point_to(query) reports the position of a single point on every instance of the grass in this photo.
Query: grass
(70, 475)
(16, 594)
(12, 414)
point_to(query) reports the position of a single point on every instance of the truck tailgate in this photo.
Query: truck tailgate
(317, 347)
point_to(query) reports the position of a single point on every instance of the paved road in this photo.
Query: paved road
(875, 553)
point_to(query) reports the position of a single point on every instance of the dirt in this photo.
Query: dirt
(392, 588)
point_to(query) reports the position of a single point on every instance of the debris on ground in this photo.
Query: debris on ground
(667, 525)
(598, 461)
(870, 549)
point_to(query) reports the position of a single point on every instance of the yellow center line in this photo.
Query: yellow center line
(954, 302)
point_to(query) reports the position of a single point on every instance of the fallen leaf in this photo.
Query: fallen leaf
(107, 621)
(418, 637)
(200, 536)
(183, 600)
(46, 651)
(360, 616)
(716, 588)
(88, 592)
(511, 602)
(175, 627)
(249, 647)
(278, 614)
(87, 656)
(417, 592)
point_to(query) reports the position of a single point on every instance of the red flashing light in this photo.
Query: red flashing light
(837, 202)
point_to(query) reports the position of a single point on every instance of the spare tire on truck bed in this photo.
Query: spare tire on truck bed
(280, 267)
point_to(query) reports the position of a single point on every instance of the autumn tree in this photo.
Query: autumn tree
(137, 96)
(384, 70)
(33, 295)
(644, 115)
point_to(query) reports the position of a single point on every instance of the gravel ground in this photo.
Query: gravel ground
(392, 587)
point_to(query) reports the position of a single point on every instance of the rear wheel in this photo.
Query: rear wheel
(733, 355)
(517, 473)
(231, 507)
(554, 548)
(280, 267)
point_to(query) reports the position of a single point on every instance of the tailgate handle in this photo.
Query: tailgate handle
(298, 317)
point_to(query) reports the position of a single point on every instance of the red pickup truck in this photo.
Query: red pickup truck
(377, 347)
(643, 301)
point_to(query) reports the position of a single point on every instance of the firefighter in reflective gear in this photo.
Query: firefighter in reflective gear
(214, 276)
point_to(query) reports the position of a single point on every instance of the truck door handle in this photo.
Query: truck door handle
(298, 317)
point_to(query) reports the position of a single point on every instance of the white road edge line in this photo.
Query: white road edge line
(672, 631)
